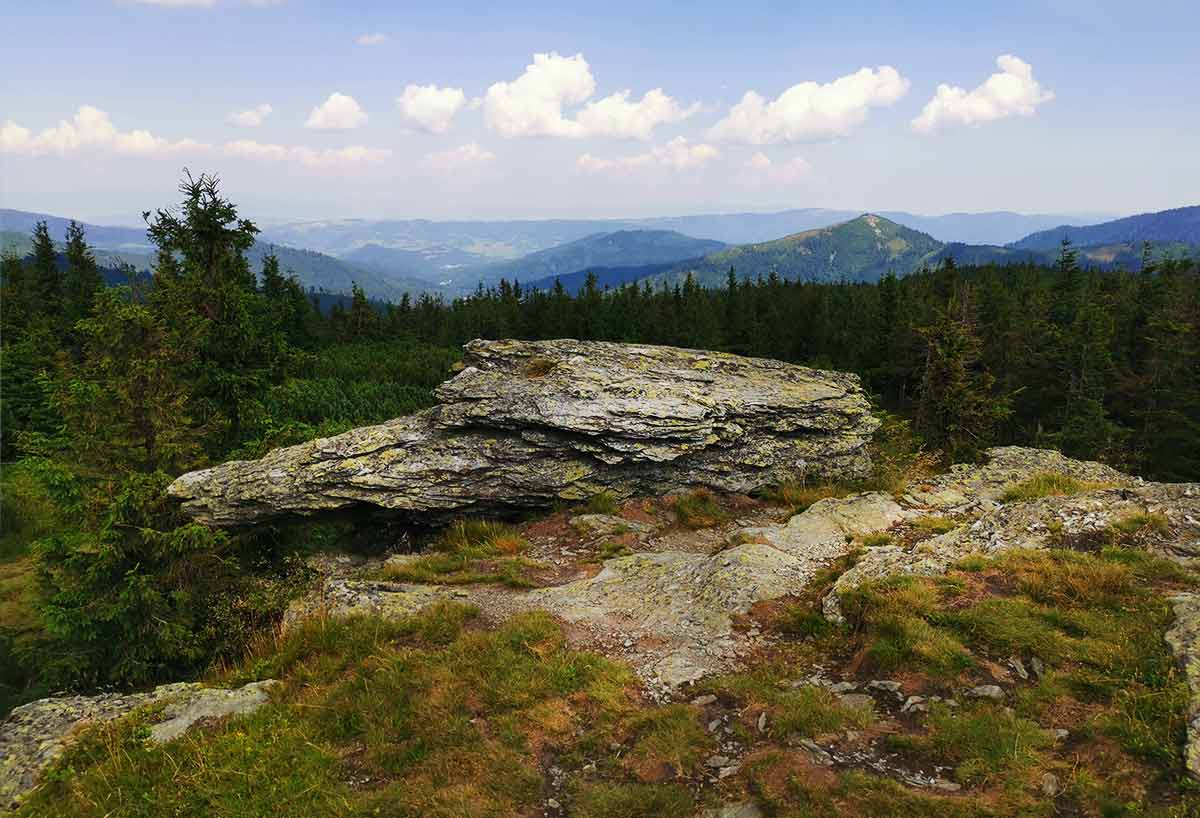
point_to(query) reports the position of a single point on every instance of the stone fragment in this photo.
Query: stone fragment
(993, 692)
(741, 809)
(1184, 640)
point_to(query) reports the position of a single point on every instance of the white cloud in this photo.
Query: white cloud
(1012, 90)
(678, 154)
(534, 104)
(429, 107)
(460, 157)
(762, 169)
(311, 157)
(616, 116)
(811, 111)
(371, 39)
(90, 129)
(338, 113)
(251, 118)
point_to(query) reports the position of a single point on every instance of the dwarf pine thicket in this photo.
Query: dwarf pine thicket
(109, 392)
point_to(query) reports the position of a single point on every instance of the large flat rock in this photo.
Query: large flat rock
(528, 423)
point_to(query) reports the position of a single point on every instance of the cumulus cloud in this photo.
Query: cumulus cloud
(371, 39)
(534, 104)
(1012, 90)
(429, 107)
(811, 111)
(678, 154)
(457, 158)
(617, 116)
(338, 113)
(762, 169)
(311, 157)
(251, 118)
(90, 128)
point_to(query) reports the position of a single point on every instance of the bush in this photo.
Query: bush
(145, 596)
(36, 496)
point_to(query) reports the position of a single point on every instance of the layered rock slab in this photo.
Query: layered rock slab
(528, 423)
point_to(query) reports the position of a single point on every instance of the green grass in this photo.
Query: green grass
(672, 735)
(1153, 522)
(699, 509)
(607, 800)
(983, 741)
(1048, 484)
(877, 540)
(430, 716)
(470, 552)
(934, 524)
(602, 503)
(895, 617)
(792, 711)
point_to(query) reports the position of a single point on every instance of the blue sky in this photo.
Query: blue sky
(1094, 108)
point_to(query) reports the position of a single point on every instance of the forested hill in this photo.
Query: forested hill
(862, 249)
(620, 248)
(1180, 225)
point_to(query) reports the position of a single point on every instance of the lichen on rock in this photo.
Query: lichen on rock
(526, 424)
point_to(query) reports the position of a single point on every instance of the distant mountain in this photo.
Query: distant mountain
(438, 265)
(621, 248)
(1181, 225)
(862, 249)
(114, 245)
(510, 239)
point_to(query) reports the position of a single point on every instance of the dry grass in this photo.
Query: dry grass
(1049, 484)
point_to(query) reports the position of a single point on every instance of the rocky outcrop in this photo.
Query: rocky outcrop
(528, 423)
(35, 734)
(1184, 639)
(1084, 521)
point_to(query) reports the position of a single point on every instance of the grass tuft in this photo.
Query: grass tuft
(602, 503)
(470, 552)
(1049, 484)
(699, 509)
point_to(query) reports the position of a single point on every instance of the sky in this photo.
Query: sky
(455, 110)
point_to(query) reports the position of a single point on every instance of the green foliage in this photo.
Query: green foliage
(144, 596)
(37, 497)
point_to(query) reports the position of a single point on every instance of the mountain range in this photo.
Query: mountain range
(1181, 225)
(856, 248)
(483, 241)
(115, 246)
